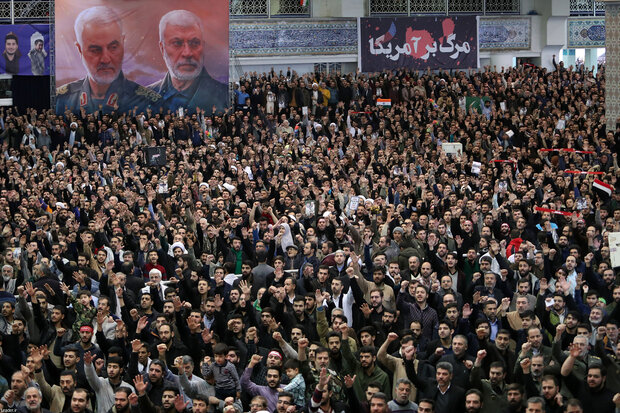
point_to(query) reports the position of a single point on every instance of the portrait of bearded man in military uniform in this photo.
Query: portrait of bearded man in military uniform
(100, 43)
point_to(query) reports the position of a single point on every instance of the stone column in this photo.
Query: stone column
(612, 63)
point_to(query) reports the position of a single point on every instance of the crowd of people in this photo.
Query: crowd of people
(310, 251)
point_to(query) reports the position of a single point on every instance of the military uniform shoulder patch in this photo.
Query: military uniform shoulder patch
(148, 93)
(70, 88)
(62, 90)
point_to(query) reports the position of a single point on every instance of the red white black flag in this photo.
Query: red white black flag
(602, 188)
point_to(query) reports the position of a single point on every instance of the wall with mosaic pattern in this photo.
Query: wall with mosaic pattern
(586, 32)
(612, 64)
(293, 38)
(501, 33)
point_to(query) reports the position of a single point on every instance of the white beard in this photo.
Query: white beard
(184, 76)
(102, 79)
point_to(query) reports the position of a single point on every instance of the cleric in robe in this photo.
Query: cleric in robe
(100, 43)
(187, 83)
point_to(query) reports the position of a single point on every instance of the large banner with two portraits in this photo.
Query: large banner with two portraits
(142, 55)
(26, 48)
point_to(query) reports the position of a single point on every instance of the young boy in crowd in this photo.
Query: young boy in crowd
(224, 373)
(297, 385)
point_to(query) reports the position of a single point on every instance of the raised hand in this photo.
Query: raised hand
(178, 304)
(245, 288)
(45, 352)
(324, 378)
(526, 347)
(101, 317)
(467, 310)
(392, 336)
(36, 355)
(277, 337)
(193, 324)
(559, 329)
(409, 352)
(349, 381)
(133, 399)
(139, 384)
(26, 373)
(366, 310)
(255, 360)
(142, 323)
(136, 345)
(318, 296)
(9, 396)
(403, 285)
(30, 289)
(179, 404)
(525, 365)
(206, 335)
(88, 358)
(218, 301)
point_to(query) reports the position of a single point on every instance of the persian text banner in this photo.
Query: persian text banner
(418, 43)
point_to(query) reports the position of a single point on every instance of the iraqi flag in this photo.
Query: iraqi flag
(384, 102)
(389, 35)
(604, 190)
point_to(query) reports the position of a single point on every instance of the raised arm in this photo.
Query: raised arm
(91, 374)
(245, 381)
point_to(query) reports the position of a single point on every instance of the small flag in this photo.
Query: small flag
(303, 3)
(605, 190)
(389, 35)
(565, 150)
(384, 102)
(585, 172)
(554, 211)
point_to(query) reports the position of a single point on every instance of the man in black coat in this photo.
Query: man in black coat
(593, 392)
(461, 361)
(447, 396)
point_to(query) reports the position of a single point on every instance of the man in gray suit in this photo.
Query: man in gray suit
(187, 83)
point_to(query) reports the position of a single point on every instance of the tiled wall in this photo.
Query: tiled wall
(503, 33)
(293, 38)
(612, 64)
(586, 32)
